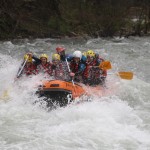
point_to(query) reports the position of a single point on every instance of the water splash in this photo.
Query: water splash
(118, 121)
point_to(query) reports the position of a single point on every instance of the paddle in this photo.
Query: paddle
(105, 65)
(20, 71)
(69, 70)
(125, 75)
(72, 78)
(5, 93)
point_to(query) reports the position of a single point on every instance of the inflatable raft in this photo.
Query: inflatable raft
(60, 92)
(63, 92)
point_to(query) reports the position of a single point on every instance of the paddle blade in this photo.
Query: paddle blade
(5, 95)
(105, 65)
(125, 75)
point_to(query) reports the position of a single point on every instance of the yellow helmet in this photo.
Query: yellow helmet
(90, 53)
(28, 58)
(44, 56)
(55, 57)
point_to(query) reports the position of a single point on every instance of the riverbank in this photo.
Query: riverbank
(56, 19)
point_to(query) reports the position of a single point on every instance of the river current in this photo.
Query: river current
(120, 121)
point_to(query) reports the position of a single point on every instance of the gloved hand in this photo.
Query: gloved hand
(90, 67)
(72, 74)
(61, 74)
(53, 66)
(15, 79)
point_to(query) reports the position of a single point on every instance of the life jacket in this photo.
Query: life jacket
(103, 73)
(30, 70)
(45, 68)
(57, 71)
(63, 57)
(91, 72)
(66, 75)
(74, 66)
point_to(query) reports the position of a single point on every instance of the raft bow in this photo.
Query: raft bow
(60, 92)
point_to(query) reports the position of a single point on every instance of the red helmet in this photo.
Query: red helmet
(60, 49)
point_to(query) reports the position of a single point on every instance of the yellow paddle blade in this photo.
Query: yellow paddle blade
(5, 95)
(105, 65)
(125, 75)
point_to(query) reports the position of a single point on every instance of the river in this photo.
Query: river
(117, 122)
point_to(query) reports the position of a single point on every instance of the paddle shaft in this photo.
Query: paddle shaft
(69, 70)
(22, 67)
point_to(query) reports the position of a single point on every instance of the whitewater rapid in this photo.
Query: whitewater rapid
(119, 122)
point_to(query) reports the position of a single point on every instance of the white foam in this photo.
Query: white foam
(120, 121)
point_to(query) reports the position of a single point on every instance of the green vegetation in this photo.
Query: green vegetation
(54, 18)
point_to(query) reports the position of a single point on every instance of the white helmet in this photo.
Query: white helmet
(77, 54)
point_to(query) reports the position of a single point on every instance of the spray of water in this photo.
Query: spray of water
(119, 120)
